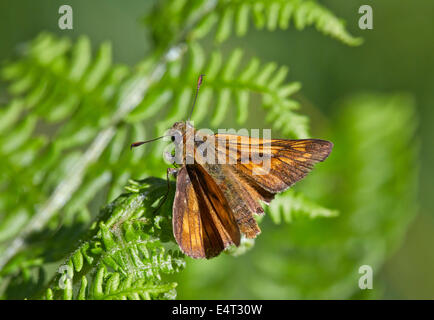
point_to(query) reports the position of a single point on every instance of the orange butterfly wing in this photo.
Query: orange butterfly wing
(203, 222)
(243, 187)
(291, 160)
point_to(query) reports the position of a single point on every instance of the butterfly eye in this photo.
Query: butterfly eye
(175, 136)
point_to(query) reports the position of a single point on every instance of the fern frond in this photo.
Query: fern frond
(58, 84)
(235, 16)
(127, 253)
(231, 15)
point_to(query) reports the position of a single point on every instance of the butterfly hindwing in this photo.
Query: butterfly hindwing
(241, 196)
(203, 222)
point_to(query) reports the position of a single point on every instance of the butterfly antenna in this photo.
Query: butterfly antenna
(139, 143)
(199, 82)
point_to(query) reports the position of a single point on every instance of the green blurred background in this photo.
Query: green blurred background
(396, 57)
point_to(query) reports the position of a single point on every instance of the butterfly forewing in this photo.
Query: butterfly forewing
(246, 183)
(290, 160)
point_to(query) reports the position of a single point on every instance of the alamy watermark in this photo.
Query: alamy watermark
(65, 20)
(366, 21)
(229, 146)
(66, 276)
(366, 280)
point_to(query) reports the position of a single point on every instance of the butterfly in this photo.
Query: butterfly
(216, 201)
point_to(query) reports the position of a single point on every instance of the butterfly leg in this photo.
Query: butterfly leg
(173, 172)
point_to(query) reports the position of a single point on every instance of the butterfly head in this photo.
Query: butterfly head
(181, 129)
(179, 126)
